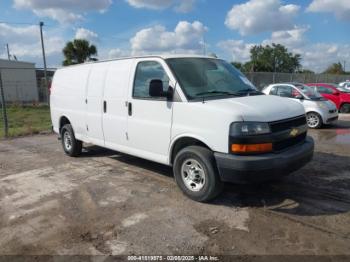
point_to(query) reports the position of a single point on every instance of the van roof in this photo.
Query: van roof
(147, 56)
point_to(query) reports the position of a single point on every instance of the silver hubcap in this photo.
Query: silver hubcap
(193, 175)
(67, 141)
(312, 120)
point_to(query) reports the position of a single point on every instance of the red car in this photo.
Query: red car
(338, 95)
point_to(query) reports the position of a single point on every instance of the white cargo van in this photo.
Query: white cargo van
(197, 114)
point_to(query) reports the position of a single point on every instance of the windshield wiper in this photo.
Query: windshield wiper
(216, 92)
(249, 91)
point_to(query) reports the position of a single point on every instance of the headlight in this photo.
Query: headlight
(322, 105)
(249, 128)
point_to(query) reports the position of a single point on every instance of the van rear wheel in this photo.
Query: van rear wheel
(196, 174)
(71, 145)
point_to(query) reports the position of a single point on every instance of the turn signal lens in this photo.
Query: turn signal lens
(251, 148)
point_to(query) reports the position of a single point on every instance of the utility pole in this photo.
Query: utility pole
(8, 51)
(344, 66)
(3, 104)
(41, 24)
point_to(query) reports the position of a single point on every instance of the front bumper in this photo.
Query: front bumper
(332, 119)
(328, 117)
(245, 169)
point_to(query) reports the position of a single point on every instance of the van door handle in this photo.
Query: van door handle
(130, 109)
(104, 107)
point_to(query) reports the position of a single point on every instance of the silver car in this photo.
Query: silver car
(319, 111)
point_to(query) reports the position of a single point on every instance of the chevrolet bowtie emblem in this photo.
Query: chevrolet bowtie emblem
(294, 132)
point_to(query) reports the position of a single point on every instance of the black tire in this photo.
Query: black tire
(315, 116)
(345, 108)
(75, 146)
(212, 185)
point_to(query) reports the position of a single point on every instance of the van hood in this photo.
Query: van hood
(261, 108)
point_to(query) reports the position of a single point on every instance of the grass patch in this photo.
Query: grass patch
(26, 120)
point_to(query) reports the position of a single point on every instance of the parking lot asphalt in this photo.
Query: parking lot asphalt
(106, 203)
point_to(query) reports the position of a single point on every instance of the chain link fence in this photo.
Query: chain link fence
(23, 100)
(262, 79)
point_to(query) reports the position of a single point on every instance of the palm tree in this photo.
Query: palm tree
(78, 51)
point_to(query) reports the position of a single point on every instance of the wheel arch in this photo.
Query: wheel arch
(343, 103)
(181, 142)
(63, 121)
(318, 113)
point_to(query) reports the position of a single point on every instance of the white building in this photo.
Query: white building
(19, 81)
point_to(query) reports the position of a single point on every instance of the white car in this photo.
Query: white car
(197, 114)
(345, 85)
(318, 110)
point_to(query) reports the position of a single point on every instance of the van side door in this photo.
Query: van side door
(115, 111)
(149, 118)
(94, 105)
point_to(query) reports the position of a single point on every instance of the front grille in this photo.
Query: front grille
(285, 127)
(283, 144)
(286, 124)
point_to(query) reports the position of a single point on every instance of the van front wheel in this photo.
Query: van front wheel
(196, 174)
(71, 146)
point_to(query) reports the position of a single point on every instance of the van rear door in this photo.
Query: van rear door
(149, 118)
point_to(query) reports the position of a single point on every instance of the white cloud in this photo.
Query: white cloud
(238, 50)
(317, 56)
(182, 6)
(292, 39)
(256, 16)
(24, 43)
(186, 38)
(185, 6)
(64, 11)
(24, 35)
(83, 33)
(341, 8)
(116, 53)
(151, 4)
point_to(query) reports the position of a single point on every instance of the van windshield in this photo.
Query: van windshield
(210, 78)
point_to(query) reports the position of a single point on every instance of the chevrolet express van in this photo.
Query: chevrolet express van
(197, 114)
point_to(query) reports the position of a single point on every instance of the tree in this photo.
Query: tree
(335, 68)
(238, 65)
(246, 67)
(78, 51)
(275, 58)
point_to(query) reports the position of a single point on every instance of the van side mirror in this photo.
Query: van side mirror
(156, 90)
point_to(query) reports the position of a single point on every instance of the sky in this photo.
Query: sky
(319, 30)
